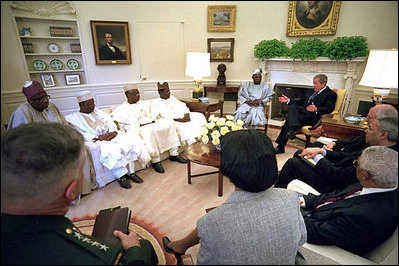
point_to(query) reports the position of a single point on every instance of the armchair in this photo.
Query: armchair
(316, 130)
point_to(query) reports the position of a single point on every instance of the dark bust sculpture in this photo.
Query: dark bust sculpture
(222, 77)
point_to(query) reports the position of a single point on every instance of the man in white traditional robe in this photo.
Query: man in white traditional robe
(158, 136)
(38, 108)
(188, 124)
(253, 97)
(118, 149)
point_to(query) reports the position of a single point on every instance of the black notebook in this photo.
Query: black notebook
(109, 220)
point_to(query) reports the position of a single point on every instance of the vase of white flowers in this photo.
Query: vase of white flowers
(216, 128)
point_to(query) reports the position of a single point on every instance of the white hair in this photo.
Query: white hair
(382, 164)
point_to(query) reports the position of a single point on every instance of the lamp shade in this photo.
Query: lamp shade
(381, 70)
(198, 65)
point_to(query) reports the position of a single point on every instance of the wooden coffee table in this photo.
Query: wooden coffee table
(205, 154)
(336, 127)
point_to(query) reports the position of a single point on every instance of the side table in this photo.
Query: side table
(205, 154)
(220, 88)
(336, 127)
(205, 108)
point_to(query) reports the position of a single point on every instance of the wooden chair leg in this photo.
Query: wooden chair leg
(307, 144)
(266, 129)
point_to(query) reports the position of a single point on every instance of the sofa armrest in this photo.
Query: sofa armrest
(327, 255)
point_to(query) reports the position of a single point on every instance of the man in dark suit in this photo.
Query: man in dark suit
(41, 176)
(362, 216)
(306, 111)
(334, 168)
(110, 51)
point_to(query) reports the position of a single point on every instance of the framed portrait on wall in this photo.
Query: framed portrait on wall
(222, 18)
(111, 42)
(307, 18)
(221, 49)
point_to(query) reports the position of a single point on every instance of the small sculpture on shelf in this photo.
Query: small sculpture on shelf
(25, 32)
(221, 80)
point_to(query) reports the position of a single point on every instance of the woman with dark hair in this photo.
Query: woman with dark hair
(257, 224)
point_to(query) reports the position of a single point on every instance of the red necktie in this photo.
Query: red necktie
(356, 189)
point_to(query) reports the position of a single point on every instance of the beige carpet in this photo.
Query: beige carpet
(166, 203)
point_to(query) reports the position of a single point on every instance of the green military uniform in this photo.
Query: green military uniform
(54, 240)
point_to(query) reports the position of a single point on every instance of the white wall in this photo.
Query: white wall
(256, 21)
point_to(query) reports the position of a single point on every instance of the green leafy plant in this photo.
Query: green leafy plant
(307, 49)
(343, 48)
(271, 48)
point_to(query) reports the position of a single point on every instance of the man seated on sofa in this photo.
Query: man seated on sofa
(38, 108)
(362, 216)
(118, 149)
(334, 169)
(166, 106)
(159, 136)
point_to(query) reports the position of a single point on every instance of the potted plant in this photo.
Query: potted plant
(346, 48)
(271, 48)
(307, 49)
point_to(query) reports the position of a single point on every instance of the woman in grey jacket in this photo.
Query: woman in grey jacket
(257, 224)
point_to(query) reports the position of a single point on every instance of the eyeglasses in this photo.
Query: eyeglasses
(355, 164)
(40, 98)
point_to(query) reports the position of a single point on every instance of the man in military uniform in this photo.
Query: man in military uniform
(41, 175)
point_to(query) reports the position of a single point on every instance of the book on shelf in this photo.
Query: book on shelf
(109, 220)
(310, 161)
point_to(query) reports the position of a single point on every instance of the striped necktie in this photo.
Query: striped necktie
(330, 200)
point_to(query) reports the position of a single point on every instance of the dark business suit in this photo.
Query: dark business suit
(298, 116)
(52, 240)
(358, 224)
(107, 54)
(335, 171)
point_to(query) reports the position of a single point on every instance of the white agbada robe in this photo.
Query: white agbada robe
(158, 137)
(26, 114)
(253, 115)
(172, 108)
(115, 155)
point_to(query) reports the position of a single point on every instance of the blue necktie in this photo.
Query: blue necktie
(311, 98)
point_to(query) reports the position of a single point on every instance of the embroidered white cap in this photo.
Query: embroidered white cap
(84, 96)
(257, 71)
(130, 87)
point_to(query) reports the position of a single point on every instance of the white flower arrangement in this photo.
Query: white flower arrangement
(217, 127)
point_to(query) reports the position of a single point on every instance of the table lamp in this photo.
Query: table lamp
(381, 73)
(198, 66)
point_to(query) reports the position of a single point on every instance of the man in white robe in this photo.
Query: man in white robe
(38, 108)
(118, 149)
(158, 136)
(188, 124)
(253, 97)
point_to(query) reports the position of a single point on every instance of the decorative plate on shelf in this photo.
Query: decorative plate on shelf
(39, 65)
(73, 64)
(53, 47)
(56, 64)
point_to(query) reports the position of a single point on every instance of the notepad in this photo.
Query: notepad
(308, 160)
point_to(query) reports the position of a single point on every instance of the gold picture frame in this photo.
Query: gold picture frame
(310, 18)
(118, 32)
(222, 18)
(221, 49)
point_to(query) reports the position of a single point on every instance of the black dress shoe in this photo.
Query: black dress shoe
(165, 242)
(124, 182)
(178, 158)
(279, 150)
(158, 167)
(135, 178)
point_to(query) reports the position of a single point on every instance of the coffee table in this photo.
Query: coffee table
(205, 154)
